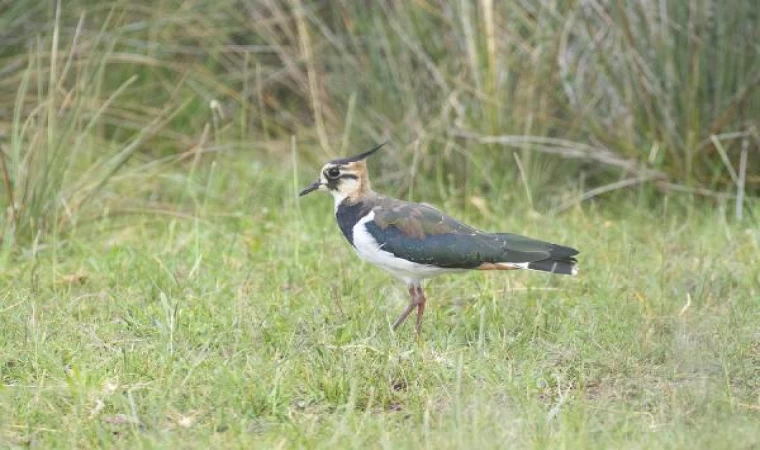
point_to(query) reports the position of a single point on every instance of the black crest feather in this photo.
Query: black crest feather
(360, 156)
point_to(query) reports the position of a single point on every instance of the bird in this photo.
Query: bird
(415, 242)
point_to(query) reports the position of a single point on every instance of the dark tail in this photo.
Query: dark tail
(561, 261)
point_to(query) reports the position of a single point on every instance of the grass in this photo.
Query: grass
(164, 288)
(251, 323)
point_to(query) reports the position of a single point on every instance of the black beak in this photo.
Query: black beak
(312, 187)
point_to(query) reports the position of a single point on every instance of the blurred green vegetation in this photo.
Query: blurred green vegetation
(550, 102)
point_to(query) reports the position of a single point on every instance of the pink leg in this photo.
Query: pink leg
(409, 308)
(420, 307)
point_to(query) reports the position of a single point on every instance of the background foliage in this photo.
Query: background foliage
(560, 98)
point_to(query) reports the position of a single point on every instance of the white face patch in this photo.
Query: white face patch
(340, 181)
(346, 186)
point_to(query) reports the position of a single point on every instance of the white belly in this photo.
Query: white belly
(409, 272)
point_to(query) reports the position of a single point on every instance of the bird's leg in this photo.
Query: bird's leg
(413, 301)
(420, 307)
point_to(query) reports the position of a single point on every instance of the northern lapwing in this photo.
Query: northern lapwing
(414, 241)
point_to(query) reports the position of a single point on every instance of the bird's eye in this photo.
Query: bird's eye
(333, 172)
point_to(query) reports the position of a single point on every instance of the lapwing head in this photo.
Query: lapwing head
(344, 177)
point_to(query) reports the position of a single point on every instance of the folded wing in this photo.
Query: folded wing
(424, 235)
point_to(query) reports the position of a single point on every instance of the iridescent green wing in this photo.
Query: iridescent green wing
(425, 235)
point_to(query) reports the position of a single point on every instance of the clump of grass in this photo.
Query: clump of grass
(59, 152)
(667, 85)
(628, 90)
(482, 95)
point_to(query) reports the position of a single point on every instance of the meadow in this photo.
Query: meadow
(164, 287)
